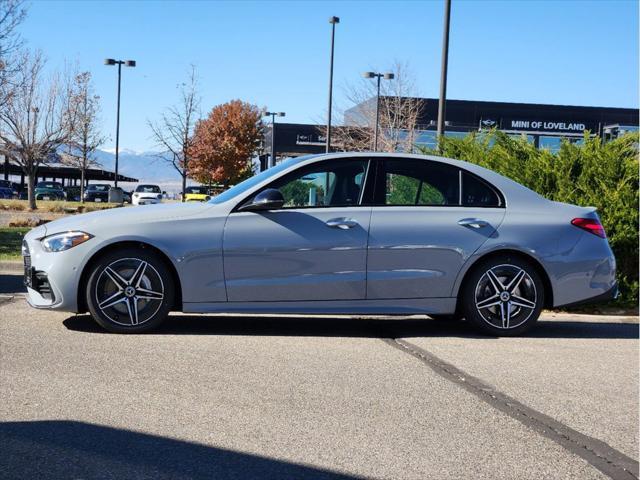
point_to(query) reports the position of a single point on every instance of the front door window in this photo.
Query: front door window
(336, 183)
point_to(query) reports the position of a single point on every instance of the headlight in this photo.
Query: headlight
(159, 197)
(64, 241)
(135, 195)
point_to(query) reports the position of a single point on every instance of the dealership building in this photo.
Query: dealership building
(543, 125)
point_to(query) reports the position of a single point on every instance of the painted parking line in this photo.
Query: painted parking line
(597, 453)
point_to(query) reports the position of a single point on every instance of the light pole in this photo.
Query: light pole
(379, 76)
(128, 63)
(443, 73)
(332, 21)
(273, 115)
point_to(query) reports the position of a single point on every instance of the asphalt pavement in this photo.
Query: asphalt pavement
(241, 397)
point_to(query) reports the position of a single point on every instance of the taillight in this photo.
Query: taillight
(591, 225)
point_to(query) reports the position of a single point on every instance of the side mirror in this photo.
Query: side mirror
(268, 199)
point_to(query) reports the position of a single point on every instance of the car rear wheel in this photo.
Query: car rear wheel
(130, 291)
(503, 296)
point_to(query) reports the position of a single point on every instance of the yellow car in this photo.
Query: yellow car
(196, 194)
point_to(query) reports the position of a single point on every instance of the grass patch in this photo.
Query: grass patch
(11, 242)
(55, 206)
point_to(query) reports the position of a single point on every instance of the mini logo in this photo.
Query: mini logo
(488, 122)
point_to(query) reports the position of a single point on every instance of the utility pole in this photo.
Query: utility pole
(332, 21)
(443, 73)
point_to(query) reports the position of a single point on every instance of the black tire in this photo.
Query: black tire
(503, 296)
(126, 278)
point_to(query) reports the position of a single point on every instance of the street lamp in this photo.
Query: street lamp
(273, 115)
(386, 76)
(332, 21)
(128, 63)
(443, 72)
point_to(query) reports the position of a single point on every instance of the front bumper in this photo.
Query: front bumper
(52, 278)
(146, 201)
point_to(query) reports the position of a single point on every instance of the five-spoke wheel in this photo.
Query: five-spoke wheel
(130, 291)
(503, 296)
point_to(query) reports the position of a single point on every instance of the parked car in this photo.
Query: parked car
(14, 187)
(350, 233)
(126, 196)
(196, 194)
(146, 194)
(6, 193)
(72, 193)
(97, 192)
(49, 191)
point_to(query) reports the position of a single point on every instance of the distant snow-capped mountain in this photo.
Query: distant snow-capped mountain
(145, 166)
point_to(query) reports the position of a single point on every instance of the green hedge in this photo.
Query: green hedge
(603, 175)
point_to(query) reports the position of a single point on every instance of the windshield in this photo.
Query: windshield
(242, 187)
(52, 185)
(148, 189)
(99, 188)
(201, 190)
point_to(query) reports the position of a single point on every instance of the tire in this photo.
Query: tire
(503, 296)
(130, 290)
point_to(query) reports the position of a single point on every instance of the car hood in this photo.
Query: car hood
(107, 219)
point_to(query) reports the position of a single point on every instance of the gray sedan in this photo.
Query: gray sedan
(348, 233)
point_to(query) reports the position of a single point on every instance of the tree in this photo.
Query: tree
(399, 113)
(35, 119)
(12, 14)
(84, 136)
(224, 143)
(174, 132)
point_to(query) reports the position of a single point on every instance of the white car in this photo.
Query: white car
(146, 194)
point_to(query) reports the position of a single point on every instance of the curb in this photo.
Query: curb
(11, 266)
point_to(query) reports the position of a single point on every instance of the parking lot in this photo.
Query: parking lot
(309, 397)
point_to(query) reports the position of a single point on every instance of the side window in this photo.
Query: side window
(477, 193)
(334, 183)
(420, 182)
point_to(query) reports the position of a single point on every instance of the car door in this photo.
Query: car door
(313, 248)
(428, 219)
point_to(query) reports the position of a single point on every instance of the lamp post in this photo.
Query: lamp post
(379, 76)
(128, 63)
(332, 21)
(273, 115)
(443, 73)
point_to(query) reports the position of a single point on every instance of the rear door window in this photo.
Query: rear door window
(477, 193)
(418, 182)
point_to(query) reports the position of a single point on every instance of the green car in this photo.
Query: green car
(49, 191)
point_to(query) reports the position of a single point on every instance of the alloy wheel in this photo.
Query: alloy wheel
(505, 296)
(129, 291)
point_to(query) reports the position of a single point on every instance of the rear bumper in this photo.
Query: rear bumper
(610, 294)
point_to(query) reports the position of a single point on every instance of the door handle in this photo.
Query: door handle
(343, 223)
(473, 223)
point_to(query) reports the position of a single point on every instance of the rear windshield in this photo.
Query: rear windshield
(99, 188)
(148, 189)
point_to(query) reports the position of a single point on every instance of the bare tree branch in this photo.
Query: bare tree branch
(85, 135)
(35, 120)
(173, 133)
(399, 113)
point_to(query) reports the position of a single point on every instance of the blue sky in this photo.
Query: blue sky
(276, 54)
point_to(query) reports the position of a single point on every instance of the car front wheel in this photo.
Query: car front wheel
(130, 291)
(503, 296)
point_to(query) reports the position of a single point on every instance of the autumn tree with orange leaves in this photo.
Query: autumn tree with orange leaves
(224, 143)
